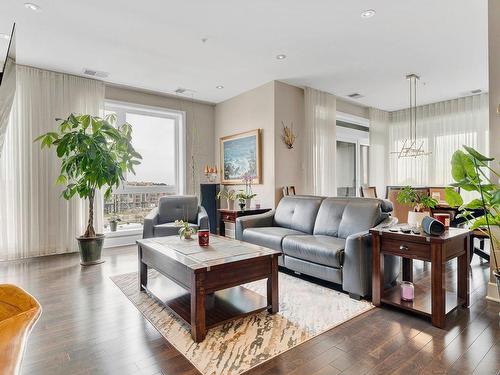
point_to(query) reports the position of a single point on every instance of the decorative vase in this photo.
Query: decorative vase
(113, 225)
(230, 204)
(248, 203)
(187, 235)
(242, 206)
(415, 218)
(90, 249)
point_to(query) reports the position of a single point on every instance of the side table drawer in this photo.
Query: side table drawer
(228, 217)
(406, 249)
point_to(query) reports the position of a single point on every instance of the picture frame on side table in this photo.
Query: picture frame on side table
(241, 154)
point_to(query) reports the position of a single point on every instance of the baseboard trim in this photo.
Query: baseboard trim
(493, 293)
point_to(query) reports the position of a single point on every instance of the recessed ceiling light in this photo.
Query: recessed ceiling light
(220, 87)
(368, 13)
(281, 57)
(32, 7)
(5, 36)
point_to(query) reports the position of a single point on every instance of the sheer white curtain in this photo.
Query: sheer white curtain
(320, 142)
(379, 150)
(444, 127)
(34, 220)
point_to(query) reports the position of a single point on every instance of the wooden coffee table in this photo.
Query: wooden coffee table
(210, 278)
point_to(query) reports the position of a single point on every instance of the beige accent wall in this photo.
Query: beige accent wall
(352, 108)
(251, 110)
(288, 108)
(200, 141)
(494, 97)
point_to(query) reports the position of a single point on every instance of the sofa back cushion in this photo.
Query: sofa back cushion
(297, 212)
(329, 216)
(178, 207)
(360, 215)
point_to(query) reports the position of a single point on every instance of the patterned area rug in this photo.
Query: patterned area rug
(306, 310)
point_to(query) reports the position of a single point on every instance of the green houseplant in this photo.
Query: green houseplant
(94, 155)
(419, 201)
(185, 230)
(229, 196)
(472, 171)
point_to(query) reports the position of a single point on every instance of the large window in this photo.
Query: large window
(158, 135)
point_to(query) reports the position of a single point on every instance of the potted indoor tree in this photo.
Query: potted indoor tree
(94, 155)
(420, 201)
(472, 171)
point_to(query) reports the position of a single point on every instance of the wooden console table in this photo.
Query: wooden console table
(437, 250)
(230, 216)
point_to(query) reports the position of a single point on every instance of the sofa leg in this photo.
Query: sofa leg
(357, 297)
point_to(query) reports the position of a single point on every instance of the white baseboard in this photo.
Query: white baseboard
(493, 293)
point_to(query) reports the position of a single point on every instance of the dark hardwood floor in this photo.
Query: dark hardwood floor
(89, 327)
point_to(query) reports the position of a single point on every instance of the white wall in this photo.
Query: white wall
(197, 113)
(494, 97)
(289, 108)
(251, 110)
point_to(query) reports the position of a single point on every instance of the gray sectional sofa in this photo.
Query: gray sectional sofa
(324, 237)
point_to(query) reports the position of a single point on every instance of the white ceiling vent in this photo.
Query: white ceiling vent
(95, 73)
(355, 96)
(476, 91)
(184, 91)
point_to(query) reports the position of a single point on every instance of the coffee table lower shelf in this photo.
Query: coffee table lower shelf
(421, 304)
(221, 306)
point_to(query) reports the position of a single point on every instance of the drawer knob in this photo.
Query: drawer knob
(403, 247)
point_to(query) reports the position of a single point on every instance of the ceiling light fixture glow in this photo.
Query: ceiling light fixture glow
(220, 87)
(281, 57)
(369, 13)
(32, 7)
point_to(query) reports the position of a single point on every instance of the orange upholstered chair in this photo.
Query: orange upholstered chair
(19, 312)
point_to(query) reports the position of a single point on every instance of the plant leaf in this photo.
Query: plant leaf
(476, 154)
(452, 197)
(462, 166)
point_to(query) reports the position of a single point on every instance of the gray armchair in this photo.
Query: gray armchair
(160, 222)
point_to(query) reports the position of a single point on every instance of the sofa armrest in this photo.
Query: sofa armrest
(357, 267)
(150, 221)
(253, 221)
(387, 222)
(203, 222)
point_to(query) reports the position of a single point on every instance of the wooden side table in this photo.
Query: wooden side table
(437, 250)
(230, 216)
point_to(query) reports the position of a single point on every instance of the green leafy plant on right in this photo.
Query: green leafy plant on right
(472, 171)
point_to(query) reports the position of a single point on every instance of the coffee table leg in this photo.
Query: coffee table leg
(143, 272)
(272, 287)
(198, 327)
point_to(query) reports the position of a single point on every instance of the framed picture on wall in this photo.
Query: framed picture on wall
(241, 154)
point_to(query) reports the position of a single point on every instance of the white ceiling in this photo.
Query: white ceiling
(156, 44)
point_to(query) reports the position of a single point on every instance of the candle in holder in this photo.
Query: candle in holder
(203, 237)
(407, 291)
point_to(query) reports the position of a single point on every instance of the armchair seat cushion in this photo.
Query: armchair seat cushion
(168, 229)
(319, 249)
(270, 237)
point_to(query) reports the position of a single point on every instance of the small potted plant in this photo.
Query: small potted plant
(186, 231)
(95, 155)
(473, 171)
(249, 195)
(419, 201)
(229, 196)
(113, 223)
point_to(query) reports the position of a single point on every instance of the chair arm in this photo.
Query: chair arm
(357, 267)
(150, 221)
(253, 221)
(203, 222)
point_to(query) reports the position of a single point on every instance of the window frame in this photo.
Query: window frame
(179, 118)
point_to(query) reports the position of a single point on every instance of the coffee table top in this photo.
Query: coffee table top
(222, 250)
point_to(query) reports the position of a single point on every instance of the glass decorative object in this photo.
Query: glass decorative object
(203, 237)
(407, 291)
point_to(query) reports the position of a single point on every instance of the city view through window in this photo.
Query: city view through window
(155, 137)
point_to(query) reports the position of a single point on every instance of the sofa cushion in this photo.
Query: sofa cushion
(324, 250)
(270, 237)
(168, 229)
(359, 215)
(297, 212)
(329, 216)
(182, 207)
